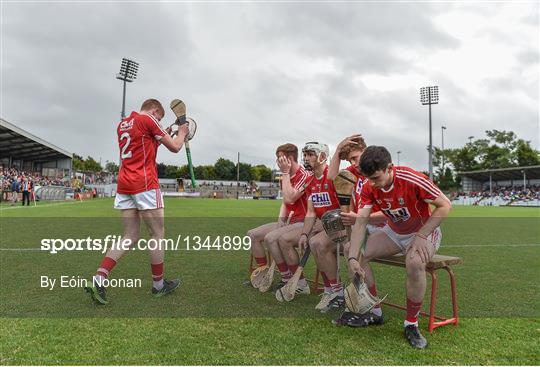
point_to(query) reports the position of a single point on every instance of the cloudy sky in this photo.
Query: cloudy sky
(255, 75)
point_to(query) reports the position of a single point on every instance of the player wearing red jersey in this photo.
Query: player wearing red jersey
(322, 197)
(404, 196)
(291, 214)
(138, 194)
(350, 149)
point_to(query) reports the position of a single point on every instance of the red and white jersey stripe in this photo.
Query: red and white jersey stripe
(406, 202)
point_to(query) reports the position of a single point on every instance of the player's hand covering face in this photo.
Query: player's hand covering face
(284, 163)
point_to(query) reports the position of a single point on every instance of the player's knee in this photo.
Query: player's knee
(253, 234)
(414, 266)
(317, 246)
(270, 239)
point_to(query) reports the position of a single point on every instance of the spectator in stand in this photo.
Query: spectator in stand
(14, 190)
(26, 188)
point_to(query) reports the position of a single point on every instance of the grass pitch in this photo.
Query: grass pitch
(213, 319)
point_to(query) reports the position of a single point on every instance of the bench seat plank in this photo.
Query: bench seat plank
(437, 262)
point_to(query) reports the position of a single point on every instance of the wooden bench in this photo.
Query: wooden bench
(436, 263)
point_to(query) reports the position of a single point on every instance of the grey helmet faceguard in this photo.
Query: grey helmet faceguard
(317, 148)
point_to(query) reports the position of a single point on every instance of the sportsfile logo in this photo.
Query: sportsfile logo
(321, 199)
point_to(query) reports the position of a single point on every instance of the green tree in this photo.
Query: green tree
(225, 169)
(111, 167)
(261, 173)
(183, 172)
(171, 171)
(209, 173)
(525, 154)
(199, 172)
(90, 164)
(245, 172)
(161, 168)
(78, 163)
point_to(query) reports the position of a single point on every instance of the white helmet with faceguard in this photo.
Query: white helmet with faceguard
(318, 149)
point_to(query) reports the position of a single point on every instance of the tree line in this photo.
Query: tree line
(223, 169)
(499, 149)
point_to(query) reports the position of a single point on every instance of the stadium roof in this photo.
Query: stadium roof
(503, 174)
(20, 144)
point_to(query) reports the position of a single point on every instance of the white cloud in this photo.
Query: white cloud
(256, 75)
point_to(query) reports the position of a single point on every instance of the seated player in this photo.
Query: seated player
(322, 197)
(291, 213)
(404, 196)
(350, 149)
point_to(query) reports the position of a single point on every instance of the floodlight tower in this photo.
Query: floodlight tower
(128, 73)
(442, 146)
(429, 96)
(398, 153)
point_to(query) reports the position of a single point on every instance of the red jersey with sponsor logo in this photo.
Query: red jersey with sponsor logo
(138, 139)
(406, 202)
(299, 207)
(322, 193)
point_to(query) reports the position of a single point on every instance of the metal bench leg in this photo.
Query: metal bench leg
(454, 318)
(433, 303)
(454, 294)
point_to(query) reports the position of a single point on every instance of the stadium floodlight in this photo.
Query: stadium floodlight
(429, 96)
(398, 153)
(128, 73)
(442, 147)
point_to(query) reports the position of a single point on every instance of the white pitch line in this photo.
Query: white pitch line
(20, 249)
(501, 245)
(183, 249)
(38, 206)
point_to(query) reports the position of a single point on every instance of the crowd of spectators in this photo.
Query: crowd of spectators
(13, 182)
(507, 193)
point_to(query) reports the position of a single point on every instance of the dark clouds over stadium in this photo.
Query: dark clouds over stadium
(256, 75)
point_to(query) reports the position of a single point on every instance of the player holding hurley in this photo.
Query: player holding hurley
(322, 197)
(291, 214)
(350, 149)
(138, 193)
(404, 196)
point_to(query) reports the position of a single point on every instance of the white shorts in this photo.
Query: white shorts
(147, 200)
(403, 241)
(371, 228)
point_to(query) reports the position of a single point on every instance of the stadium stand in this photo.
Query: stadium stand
(23, 155)
(518, 186)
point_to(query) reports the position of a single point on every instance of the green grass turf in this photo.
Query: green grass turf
(213, 319)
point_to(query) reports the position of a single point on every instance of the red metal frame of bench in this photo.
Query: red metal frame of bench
(434, 320)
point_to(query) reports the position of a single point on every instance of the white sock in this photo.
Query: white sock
(327, 289)
(377, 311)
(158, 284)
(407, 323)
(302, 283)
